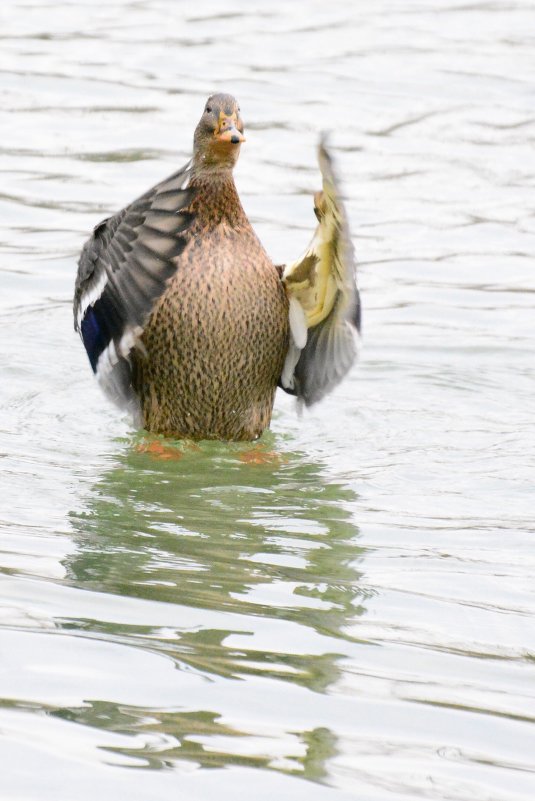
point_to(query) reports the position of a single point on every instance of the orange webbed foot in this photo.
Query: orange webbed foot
(258, 455)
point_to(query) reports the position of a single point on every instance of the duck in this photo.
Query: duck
(188, 324)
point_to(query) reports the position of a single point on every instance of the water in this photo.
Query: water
(354, 618)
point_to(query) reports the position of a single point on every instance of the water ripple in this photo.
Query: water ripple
(357, 611)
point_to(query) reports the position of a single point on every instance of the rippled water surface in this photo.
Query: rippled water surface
(353, 618)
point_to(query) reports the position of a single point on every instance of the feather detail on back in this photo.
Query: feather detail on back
(323, 285)
(123, 269)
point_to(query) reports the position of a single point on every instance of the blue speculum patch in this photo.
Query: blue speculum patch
(93, 337)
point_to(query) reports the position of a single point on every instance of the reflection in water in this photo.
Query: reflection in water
(213, 530)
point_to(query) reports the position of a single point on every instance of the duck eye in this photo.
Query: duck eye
(208, 109)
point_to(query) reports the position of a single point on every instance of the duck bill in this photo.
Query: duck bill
(231, 135)
(228, 132)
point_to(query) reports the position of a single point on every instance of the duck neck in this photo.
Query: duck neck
(216, 198)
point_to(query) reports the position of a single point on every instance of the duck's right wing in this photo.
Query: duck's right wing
(324, 299)
(123, 269)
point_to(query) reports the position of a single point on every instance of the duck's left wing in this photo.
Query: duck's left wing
(324, 299)
(123, 270)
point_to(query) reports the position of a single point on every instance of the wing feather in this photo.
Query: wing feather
(323, 283)
(123, 269)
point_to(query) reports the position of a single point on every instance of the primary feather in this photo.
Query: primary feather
(323, 282)
(123, 269)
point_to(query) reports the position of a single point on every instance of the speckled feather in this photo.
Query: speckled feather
(216, 341)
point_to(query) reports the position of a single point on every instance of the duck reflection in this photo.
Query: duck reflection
(210, 527)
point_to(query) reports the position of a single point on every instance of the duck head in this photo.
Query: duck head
(219, 134)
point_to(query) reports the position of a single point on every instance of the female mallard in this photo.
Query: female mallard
(185, 319)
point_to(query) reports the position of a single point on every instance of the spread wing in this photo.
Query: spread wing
(324, 299)
(123, 269)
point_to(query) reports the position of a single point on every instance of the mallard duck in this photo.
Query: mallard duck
(187, 322)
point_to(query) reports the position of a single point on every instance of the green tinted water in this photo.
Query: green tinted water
(346, 609)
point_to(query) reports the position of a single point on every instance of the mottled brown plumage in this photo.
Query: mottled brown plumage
(215, 344)
(186, 321)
